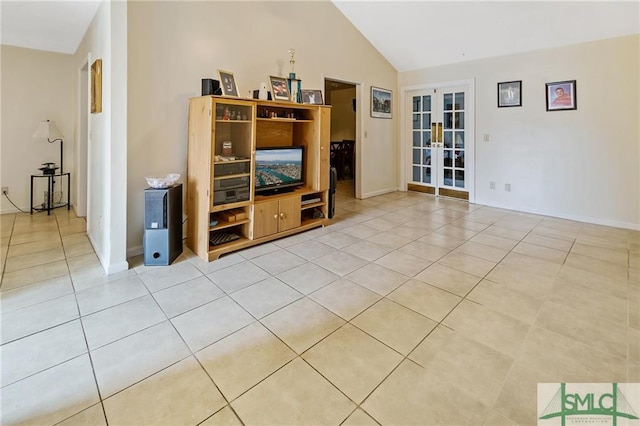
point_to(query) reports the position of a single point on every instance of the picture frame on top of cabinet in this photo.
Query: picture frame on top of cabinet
(228, 84)
(510, 94)
(96, 86)
(279, 88)
(312, 96)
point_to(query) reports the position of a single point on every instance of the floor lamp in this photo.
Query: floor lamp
(49, 131)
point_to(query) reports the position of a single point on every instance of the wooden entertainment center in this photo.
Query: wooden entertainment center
(224, 212)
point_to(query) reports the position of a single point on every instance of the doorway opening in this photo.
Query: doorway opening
(343, 98)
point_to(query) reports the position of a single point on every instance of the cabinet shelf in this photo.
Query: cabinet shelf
(225, 247)
(225, 224)
(219, 120)
(312, 205)
(239, 160)
(228, 206)
(284, 120)
(231, 176)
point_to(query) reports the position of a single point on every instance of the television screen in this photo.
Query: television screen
(279, 168)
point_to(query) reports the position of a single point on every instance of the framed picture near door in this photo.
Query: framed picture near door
(381, 102)
(510, 94)
(96, 86)
(561, 95)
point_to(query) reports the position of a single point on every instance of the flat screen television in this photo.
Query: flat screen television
(279, 169)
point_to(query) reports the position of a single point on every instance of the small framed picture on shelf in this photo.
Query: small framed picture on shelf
(561, 95)
(312, 96)
(381, 102)
(228, 83)
(279, 88)
(510, 94)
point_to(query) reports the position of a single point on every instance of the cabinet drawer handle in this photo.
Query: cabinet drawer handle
(275, 216)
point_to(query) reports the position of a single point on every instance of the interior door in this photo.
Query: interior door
(438, 137)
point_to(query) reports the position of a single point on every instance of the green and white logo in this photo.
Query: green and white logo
(588, 403)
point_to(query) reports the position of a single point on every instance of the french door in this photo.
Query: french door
(440, 138)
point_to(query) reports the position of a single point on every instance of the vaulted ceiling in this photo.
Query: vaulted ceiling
(410, 34)
(420, 34)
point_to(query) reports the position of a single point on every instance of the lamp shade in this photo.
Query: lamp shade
(47, 130)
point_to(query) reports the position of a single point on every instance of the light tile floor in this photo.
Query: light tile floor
(407, 309)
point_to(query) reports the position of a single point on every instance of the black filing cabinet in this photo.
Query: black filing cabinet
(162, 241)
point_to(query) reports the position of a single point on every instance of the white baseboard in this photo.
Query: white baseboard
(577, 218)
(379, 192)
(118, 267)
(134, 251)
(108, 268)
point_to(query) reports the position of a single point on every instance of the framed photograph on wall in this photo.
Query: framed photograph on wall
(381, 102)
(561, 95)
(312, 96)
(279, 88)
(510, 94)
(228, 84)
(96, 86)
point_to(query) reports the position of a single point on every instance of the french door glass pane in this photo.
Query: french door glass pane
(460, 159)
(416, 104)
(460, 178)
(448, 102)
(416, 138)
(416, 156)
(416, 173)
(448, 158)
(448, 120)
(426, 103)
(448, 139)
(427, 157)
(460, 100)
(426, 121)
(426, 138)
(448, 177)
(459, 120)
(416, 121)
(460, 140)
(427, 175)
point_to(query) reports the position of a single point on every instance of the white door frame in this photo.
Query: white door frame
(406, 145)
(83, 132)
(359, 136)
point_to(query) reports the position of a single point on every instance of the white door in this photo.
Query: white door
(440, 137)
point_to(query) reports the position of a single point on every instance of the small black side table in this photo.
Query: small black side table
(51, 183)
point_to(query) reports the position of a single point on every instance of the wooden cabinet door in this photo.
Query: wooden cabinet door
(265, 219)
(289, 213)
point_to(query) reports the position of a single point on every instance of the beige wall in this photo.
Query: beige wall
(582, 164)
(173, 45)
(36, 86)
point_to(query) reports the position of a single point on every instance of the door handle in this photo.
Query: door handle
(440, 133)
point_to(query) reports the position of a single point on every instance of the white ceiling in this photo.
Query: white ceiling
(55, 26)
(419, 34)
(410, 34)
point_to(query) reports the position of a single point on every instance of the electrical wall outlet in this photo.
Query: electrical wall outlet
(507, 187)
(5, 190)
(492, 185)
